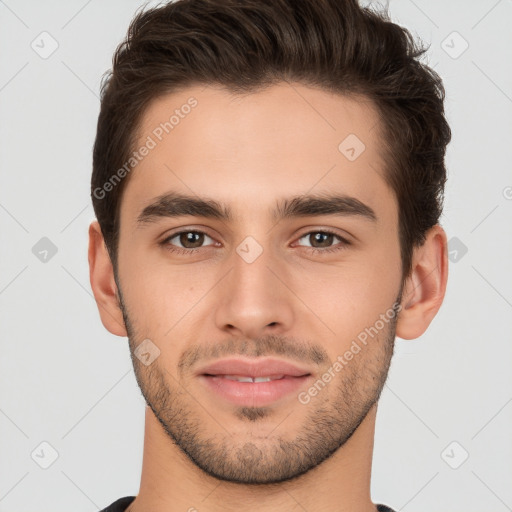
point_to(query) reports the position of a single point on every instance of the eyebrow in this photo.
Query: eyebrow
(174, 204)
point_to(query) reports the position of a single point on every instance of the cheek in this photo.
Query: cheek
(350, 297)
(344, 303)
(161, 297)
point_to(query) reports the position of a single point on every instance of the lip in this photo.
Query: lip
(260, 367)
(255, 394)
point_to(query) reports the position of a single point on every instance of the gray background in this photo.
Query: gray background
(67, 382)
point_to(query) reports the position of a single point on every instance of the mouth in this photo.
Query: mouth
(246, 378)
(253, 382)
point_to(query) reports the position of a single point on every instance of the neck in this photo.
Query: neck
(171, 482)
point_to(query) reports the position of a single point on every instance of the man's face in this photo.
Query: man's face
(252, 287)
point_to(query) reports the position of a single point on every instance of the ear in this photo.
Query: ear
(104, 288)
(425, 287)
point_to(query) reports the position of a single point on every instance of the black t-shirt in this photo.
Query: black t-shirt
(122, 504)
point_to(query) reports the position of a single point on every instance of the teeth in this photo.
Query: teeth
(263, 379)
(238, 378)
(243, 378)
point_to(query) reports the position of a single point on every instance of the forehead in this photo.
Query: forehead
(247, 150)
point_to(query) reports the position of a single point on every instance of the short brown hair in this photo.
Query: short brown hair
(246, 45)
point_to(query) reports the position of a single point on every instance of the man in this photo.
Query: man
(268, 180)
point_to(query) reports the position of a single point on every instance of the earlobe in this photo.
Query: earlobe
(104, 288)
(425, 287)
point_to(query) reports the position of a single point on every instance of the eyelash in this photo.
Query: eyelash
(315, 250)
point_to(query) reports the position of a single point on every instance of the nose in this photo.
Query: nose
(254, 298)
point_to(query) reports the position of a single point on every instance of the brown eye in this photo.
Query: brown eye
(186, 240)
(191, 239)
(322, 239)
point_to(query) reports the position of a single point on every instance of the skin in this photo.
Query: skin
(248, 152)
